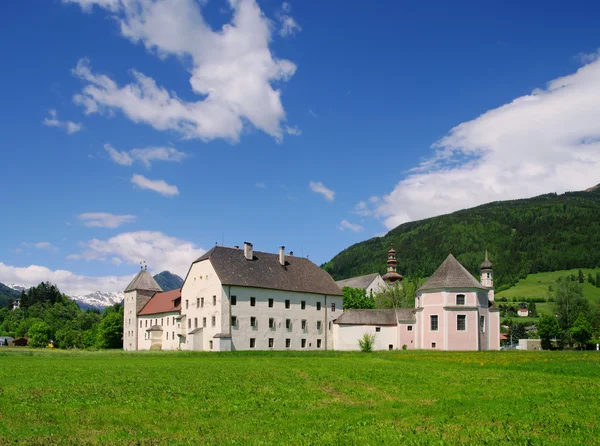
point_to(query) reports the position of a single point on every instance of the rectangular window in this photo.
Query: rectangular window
(167, 322)
(146, 323)
(201, 302)
(197, 302)
(288, 343)
(252, 342)
(460, 299)
(318, 343)
(214, 321)
(204, 322)
(233, 300)
(377, 329)
(330, 325)
(409, 328)
(253, 321)
(318, 325)
(233, 321)
(162, 320)
(303, 305)
(173, 320)
(271, 322)
(433, 344)
(482, 323)
(195, 322)
(140, 324)
(271, 342)
(270, 303)
(214, 300)
(461, 322)
(303, 343)
(303, 324)
(434, 322)
(287, 304)
(253, 301)
(288, 323)
(332, 306)
(210, 344)
(187, 302)
(167, 335)
(173, 335)
(189, 323)
(318, 306)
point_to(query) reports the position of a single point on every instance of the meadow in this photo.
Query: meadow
(303, 398)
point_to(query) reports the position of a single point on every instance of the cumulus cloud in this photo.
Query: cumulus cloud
(67, 281)
(233, 69)
(144, 156)
(105, 219)
(294, 131)
(44, 246)
(160, 251)
(345, 224)
(547, 141)
(69, 126)
(319, 188)
(160, 186)
(289, 26)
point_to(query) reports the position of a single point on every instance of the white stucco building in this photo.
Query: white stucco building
(235, 299)
(371, 283)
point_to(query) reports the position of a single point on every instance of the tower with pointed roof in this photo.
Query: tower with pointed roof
(487, 277)
(392, 275)
(137, 294)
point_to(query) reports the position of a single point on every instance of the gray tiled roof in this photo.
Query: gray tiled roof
(155, 328)
(451, 274)
(367, 317)
(361, 282)
(406, 314)
(195, 330)
(143, 281)
(265, 271)
(222, 335)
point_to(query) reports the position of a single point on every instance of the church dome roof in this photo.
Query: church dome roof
(486, 263)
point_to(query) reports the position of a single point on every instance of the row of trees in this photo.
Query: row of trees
(398, 295)
(46, 315)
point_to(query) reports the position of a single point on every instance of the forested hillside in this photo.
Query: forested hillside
(546, 233)
(7, 294)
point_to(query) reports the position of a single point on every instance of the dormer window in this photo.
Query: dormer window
(460, 299)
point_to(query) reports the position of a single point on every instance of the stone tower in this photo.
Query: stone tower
(137, 294)
(487, 276)
(392, 276)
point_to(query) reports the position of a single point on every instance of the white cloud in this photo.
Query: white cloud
(160, 251)
(319, 188)
(345, 224)
(548, 141)
(289, 26)
(53, 121)
(86, 5)
(145, 156)
(67, 281)
(233, 69)
(586, 58)
(45, 246)
(15, 250)
(105, 219)
(362, 209)
(159, 186)
(294, 131)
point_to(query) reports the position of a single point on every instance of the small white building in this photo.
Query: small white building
(523, 312)
(235, 299)
(371, 283)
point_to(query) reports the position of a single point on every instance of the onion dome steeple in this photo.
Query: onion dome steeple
(392, 276)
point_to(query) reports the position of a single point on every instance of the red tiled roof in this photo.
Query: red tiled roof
(163, 303)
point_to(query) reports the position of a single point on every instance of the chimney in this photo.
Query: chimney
(282, 255)
(248, 251)
(236, 247)
(291, 253)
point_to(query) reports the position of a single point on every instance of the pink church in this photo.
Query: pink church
(453, 311)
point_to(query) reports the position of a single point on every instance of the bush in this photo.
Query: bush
(366, 343)
(403, 346)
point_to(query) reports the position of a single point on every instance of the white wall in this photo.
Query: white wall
(377, 285)
(170, 326)
(346, 336)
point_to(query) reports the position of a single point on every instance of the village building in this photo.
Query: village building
(235, 299)
(453, 311)
(371, 283)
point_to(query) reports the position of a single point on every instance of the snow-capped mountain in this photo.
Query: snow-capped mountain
(98, 299)
(18, 286)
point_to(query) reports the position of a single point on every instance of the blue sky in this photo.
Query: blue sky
(149, 130)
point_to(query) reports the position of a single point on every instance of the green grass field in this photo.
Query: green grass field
(538, 398)
(536, 285)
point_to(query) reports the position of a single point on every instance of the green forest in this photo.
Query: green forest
(546, 233)
(48, 317)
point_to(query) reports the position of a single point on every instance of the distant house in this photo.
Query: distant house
(523, 312)
(20, 342)
(6, 340)
(530, 344)
(371, 283)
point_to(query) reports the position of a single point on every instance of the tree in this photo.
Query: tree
(581, 331)
(548, 329)
(366, 343)
(580, 277)
(597, 280)
(517, 331)
(39, 334)
(398, 295)
(110, 331)
(533, 310)
(357, 298)
(569, 303)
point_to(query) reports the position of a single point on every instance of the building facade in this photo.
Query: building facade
(371, 283)
(236, 299)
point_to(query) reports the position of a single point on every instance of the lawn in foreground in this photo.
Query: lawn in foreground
(299, 398)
